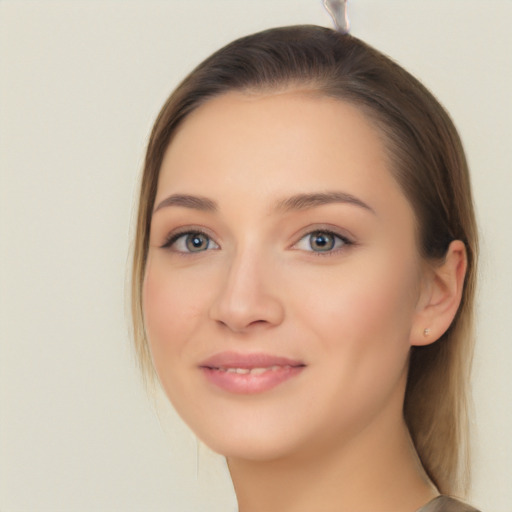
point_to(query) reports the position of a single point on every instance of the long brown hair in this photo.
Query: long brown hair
(427, 161)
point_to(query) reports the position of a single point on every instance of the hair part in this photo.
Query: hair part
(427, 159)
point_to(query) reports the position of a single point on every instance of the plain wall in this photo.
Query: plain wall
(80, 84)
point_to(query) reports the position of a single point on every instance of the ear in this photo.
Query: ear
(440, 296)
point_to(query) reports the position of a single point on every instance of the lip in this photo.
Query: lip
(257, 372)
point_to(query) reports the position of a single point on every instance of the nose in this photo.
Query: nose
(248, 296)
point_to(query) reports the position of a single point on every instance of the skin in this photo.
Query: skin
(331, 438)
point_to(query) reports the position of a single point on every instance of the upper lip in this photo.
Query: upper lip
(247, 361)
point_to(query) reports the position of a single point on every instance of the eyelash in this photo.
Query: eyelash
(174, 237)
(346, 242)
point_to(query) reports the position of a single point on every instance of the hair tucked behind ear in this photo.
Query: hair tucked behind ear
(428, 162)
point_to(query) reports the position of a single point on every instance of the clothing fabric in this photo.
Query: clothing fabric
(446, 504)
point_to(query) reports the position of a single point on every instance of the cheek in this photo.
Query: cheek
(170, 313)
(363, 314)
(369, 291)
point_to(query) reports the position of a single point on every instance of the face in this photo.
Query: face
(282, 277)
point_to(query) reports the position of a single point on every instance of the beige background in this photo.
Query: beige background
(81, 82)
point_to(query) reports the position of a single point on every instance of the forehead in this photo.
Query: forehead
(276, 144)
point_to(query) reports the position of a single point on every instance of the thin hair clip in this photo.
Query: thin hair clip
(338, 12)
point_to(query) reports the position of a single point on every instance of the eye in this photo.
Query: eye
(191, 241)
(321, 241)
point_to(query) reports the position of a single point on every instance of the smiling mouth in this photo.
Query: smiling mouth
(254, 371)
(249, 373)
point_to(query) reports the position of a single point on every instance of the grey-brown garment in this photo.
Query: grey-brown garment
(446, 504)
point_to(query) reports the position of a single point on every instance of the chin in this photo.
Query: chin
(252, 449)
(262, 441)
(256, 437)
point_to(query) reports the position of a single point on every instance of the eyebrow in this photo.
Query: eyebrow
(293, 203)
(188, 201)
(305, 201)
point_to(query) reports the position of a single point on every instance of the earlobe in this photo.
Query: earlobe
(440, 296)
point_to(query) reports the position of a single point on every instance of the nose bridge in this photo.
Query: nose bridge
(248, 296)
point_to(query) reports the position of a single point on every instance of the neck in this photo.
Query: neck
(377, 469)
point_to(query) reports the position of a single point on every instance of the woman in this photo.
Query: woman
(304, 274)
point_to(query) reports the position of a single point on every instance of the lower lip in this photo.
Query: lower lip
(250, 384)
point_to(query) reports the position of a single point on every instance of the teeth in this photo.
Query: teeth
(258, 371)
(254, 371)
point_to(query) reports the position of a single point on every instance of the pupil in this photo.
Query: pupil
(322, 241)
(197, 242)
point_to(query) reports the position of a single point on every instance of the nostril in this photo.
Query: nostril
(258, 322)
(238, 325)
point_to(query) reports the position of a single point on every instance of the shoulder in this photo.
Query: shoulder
(446, 504)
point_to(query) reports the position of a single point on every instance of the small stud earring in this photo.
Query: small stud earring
(426, 332)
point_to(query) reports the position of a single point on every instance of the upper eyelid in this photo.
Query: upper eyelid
(324, 228)
(177, 233)
(344, 239)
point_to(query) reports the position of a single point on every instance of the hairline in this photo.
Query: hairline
(316, 87)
